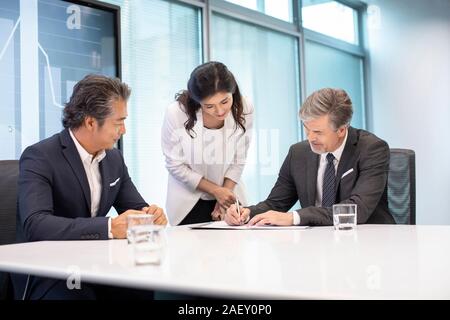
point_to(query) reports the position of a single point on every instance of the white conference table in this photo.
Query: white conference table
(374, 262)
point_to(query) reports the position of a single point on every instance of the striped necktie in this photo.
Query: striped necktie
(329, 183)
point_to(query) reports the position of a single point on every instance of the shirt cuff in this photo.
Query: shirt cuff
(296, 218)
(194, 179)
(234, 174)
(110, 235)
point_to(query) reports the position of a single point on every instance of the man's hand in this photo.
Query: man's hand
(271, 217)
(224, 196)
(232, 216)
(119, 224)
(160, 217)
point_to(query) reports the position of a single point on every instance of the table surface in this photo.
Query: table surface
(372, 262)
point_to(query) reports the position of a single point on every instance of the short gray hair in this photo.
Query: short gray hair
(327, 101)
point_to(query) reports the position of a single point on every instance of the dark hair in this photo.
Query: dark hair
(206, 80)
(92, 97)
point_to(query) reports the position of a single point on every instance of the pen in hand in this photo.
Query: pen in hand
(238, 209)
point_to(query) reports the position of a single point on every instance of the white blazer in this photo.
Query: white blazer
(184, 157)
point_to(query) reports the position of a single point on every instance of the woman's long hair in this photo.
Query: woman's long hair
(205, 81)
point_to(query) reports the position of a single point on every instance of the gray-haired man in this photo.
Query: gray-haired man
(337, 164)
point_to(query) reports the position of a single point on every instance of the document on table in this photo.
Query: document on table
(224, 226)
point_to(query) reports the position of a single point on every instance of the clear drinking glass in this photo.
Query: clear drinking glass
(135, 220)
(344, 216)
(149, 244)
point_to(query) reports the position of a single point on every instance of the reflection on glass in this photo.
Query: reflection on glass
(329, 67)
(251, 4)
(281, 9)
(46, 46)
(332, 19)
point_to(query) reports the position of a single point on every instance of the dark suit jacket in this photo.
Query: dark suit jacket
(366, 186)
(54, 194)
(55, 201)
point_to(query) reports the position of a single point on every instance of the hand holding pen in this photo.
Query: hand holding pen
(238, 209)
(237, 215)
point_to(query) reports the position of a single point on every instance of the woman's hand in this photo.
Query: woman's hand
(225, 197)
(218, 213)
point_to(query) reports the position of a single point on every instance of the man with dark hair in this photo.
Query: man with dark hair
(69, 182)
(337, 164)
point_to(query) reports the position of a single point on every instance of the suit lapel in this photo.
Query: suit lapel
(105, 172)
(229, 125)
(72, 156)
(197, 142)
(348, 155)
(312, 165)
(231, 137)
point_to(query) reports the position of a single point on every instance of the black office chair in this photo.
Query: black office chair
(9, 173)
(402, 186)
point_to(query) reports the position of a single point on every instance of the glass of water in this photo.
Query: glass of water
(137, 220)
(344, 216)
(148, 243)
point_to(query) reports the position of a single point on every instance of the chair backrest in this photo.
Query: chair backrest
(9, 173)
(402, 186)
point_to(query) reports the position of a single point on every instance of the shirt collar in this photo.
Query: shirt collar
(338, 152)
(84, 155)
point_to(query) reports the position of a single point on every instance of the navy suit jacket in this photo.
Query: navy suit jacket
(54, 194)
(55, 202)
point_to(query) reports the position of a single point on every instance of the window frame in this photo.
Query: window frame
(358, 50)
(294, 28)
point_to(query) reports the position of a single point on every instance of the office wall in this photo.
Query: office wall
(409, 45)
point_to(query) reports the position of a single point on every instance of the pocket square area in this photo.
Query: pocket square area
(347, 172)
(112, 184)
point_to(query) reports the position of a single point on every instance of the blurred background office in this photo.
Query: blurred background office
(391, 56)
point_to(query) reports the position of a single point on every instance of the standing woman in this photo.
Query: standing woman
(205, 138)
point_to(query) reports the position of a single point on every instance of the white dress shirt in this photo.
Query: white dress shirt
(320, 172)
(91, 167)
